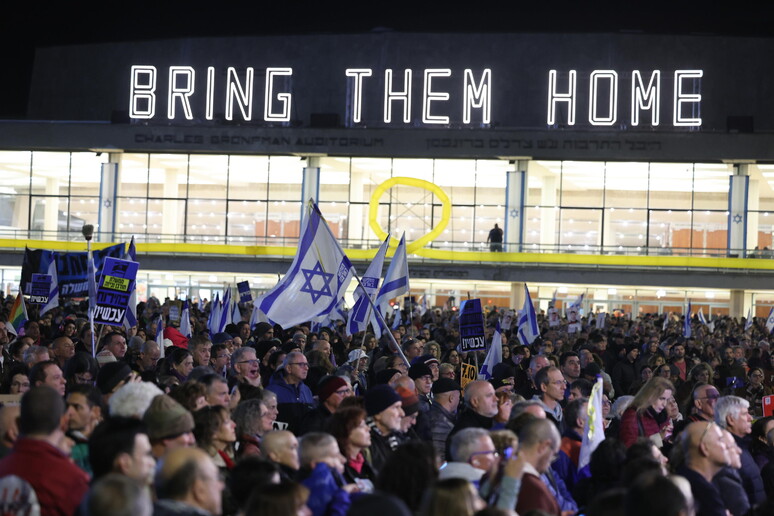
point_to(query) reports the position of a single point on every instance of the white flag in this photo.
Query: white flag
(494, 356)
(594, 431)
(396, 282)
(359, 315)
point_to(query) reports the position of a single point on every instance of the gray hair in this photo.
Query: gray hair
(520, 407)
(729, 406)
(239, 354)
(32, 352)
(247, 416)
(148, 346)
(313, 446)
(293, 355)
(464, 442)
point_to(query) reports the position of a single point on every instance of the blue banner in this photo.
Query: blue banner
(114, 290)
(472, 335)
(40, 288)
(244, 292)
(71, 268)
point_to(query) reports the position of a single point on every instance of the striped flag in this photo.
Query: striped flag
(687, 322)
(594, 431)
(770, 320)
(185, 320)
(494, 356)
(749, 322)
(130, 319)
(53, 292)
(528, 327)
(18, 315)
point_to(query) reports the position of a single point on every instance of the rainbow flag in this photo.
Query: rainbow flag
(18, 315)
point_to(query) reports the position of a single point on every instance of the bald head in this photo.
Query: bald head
(281, 447)
(188, 475)
(480, 397)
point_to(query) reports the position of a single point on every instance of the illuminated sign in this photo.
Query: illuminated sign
(447, 96)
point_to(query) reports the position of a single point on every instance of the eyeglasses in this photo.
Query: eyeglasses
(488, 452)
(343, 392)
(300, 364)
(224, 356)
(253, 361)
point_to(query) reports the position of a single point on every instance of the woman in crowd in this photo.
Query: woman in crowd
(17, 380)
(179, 363)
(253, 420)
(452, 497)
(215, 434)
(646, 415)
(190, 394)
(80, 369)
(754, 391)
(283, 499)
(348, 426)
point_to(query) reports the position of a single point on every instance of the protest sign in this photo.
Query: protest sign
(114, 290)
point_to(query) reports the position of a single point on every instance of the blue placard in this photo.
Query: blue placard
(472, 335)
(41, 286)
(244, 292)
(115, 288)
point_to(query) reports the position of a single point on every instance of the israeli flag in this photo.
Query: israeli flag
(528, 327)
(494, 356)
(257, 316)
(687, 322)
(160, 335)
(316, 280)
(770, 320)
(225, 313)
(666, 322)
(749, 322)
(397, 317)
(396, 281)
(53, 293)
(236, 315)
(214, 320)
(185, 320)
(130, 318)
(701, 316)
(359, 315)
(578, 302)
(594, 430)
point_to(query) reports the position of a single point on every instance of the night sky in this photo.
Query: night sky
(66, 23)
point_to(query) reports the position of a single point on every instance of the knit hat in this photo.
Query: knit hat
(105, 357)
(356, 354)
(166, 418)
(220, 338)
(384, 376)
(445, 385)
(261, 328)
(418, 371)
(328, 385)
(409, 400)
(379, 398)
(111, 374)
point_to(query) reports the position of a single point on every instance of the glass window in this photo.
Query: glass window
(83, 210)
(207, 176)
(335, 214)
(418, 168)
(284, 223)
(544, 182)
(626, 185)
(457, 177)
(710, 186)
(366, 174)
(168, 177)
(206, 218)
(580, 230)
(671, 231)
(710, 231)
(87, 172)
(166, 217)
(285, 177)
(625, 229)
(14, 191)
(248, 177)
(671, 186)
(582, 183)
(51, 173)
(334, 179)
(133, 174)
(49, 216)
(246, 221)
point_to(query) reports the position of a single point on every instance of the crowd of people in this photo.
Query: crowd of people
(265, 420)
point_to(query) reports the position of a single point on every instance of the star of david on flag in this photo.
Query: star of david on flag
(316, 280)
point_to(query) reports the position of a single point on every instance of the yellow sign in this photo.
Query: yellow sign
(114, 283)
(411, 247)
(468, 373)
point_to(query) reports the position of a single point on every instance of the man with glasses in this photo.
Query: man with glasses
(294, 398)
(331, 390)
(246, 368)
(706, 454)
(472, 454)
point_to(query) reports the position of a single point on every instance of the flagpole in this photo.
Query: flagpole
(384, 323)
(88, 234)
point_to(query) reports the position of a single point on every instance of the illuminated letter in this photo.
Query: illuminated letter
(390, 95)
(187, 75)
(430, 96)
(283, 98)
(142, 90)
(477, 96)
(210, 101)
(646, 98)
(612, 104)
(244, 96)
(684, 98)
(357, 100)
(554, 97)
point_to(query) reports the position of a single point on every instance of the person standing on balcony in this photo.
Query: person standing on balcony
(495, 239)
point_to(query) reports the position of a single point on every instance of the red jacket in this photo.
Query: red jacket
(631, 429)
(58, 483)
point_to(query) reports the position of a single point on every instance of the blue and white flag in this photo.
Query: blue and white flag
(316, 280)
(701, 316)
(185, 320)
(225, 312)
(770, 320)
(494, 356)
(160, 335)
(396, 281)
(552, 304)
(666, 322)
(578, 302)
(359, 314)
(214, 320)
(528, 327)
(397, 317)
(53, 293)
(236, 314)
(257, 316)
(594, 430)
(749, 322)
(130, 319)
(687, 322)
